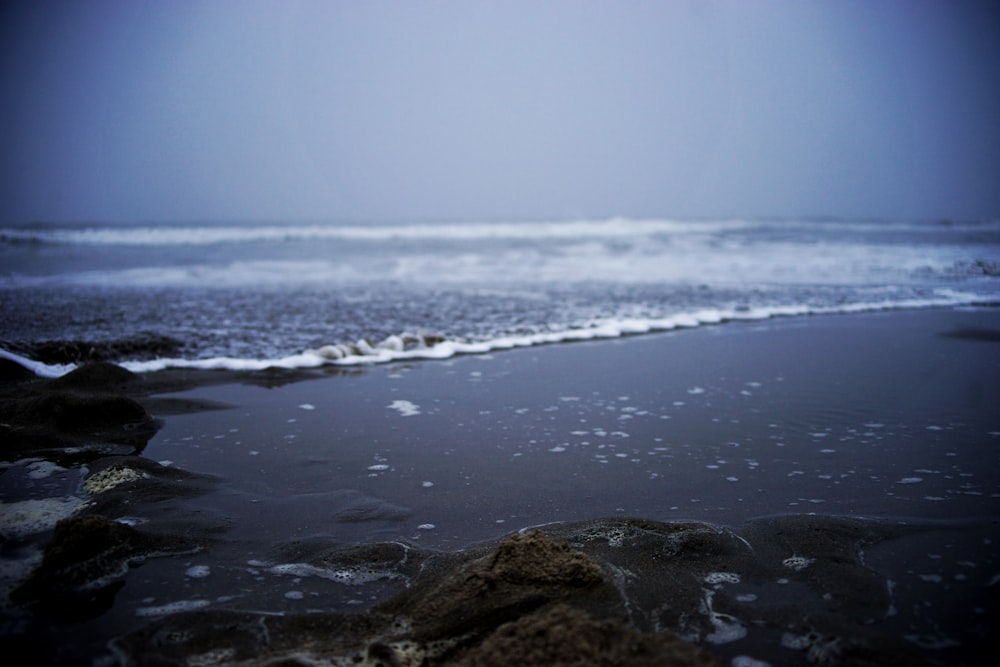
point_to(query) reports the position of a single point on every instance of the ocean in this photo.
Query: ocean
(246, 296)
(800, 467)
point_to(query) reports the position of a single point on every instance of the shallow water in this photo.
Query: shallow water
(720, 426)
(888, 418)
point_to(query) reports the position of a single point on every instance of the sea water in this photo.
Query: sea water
(253, 295)
(892, 426)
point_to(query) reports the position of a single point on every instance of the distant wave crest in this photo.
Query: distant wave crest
(208, 234)
(182, 234)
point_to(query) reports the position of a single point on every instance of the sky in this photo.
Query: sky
(333, 110)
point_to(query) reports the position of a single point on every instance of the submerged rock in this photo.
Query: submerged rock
(603, 592)
(527, 601)
(121, 485)
(85, 563)
(566, 637)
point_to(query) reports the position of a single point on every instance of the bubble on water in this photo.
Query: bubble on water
(722, 578)
(797, 562)
(198, 571)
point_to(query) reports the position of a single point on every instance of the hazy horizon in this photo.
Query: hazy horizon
(119, 111)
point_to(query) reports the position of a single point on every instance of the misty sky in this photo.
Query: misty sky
(284, 110)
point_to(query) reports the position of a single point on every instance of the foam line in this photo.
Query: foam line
(391, 349)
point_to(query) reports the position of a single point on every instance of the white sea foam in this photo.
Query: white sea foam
(351, 576)
(195, 234)
(405, 408)
(43, 469)
(198, 571)
(734, 252)
(364, 353)
(28, 517)
(171, 608)
(37, 367)
(590, 279)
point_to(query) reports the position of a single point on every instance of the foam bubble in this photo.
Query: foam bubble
(797, 562)
(109, 478)
(722, 578)
(727, 628)
(350, 576)
(171, 608)
(43, 469)
(405, 408)
(28, 517)
(747, 661)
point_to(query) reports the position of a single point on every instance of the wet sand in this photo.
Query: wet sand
(862, 445)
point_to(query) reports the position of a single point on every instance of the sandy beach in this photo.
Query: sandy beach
(853, 455)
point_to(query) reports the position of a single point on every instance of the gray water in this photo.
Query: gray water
(225, 295)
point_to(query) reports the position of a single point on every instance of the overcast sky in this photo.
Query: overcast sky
(284, 110)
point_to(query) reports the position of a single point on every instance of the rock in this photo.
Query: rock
(75, 413)
(87, 406)
(148, 346)
(524, 573)
(11, 371)
(532, 558)
(84, 565)
(372, 509)
(602, 592)
(528, 601)
(125, 484)
(97, 376)
(565, 637)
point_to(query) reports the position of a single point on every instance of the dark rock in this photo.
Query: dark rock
(525, 573)
(602, 592)
(565, 637)
(525, 602)
(97, 376)
(148, 346)
(85, 407)
(122, 484)
(975, 333)
(74, 413)
(532, 558)
(84, 566)
(11, 371)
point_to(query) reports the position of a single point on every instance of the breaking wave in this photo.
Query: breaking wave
(627, 228)
(409, 347)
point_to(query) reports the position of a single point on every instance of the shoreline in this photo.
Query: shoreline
(54, 358)
(878, 415)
